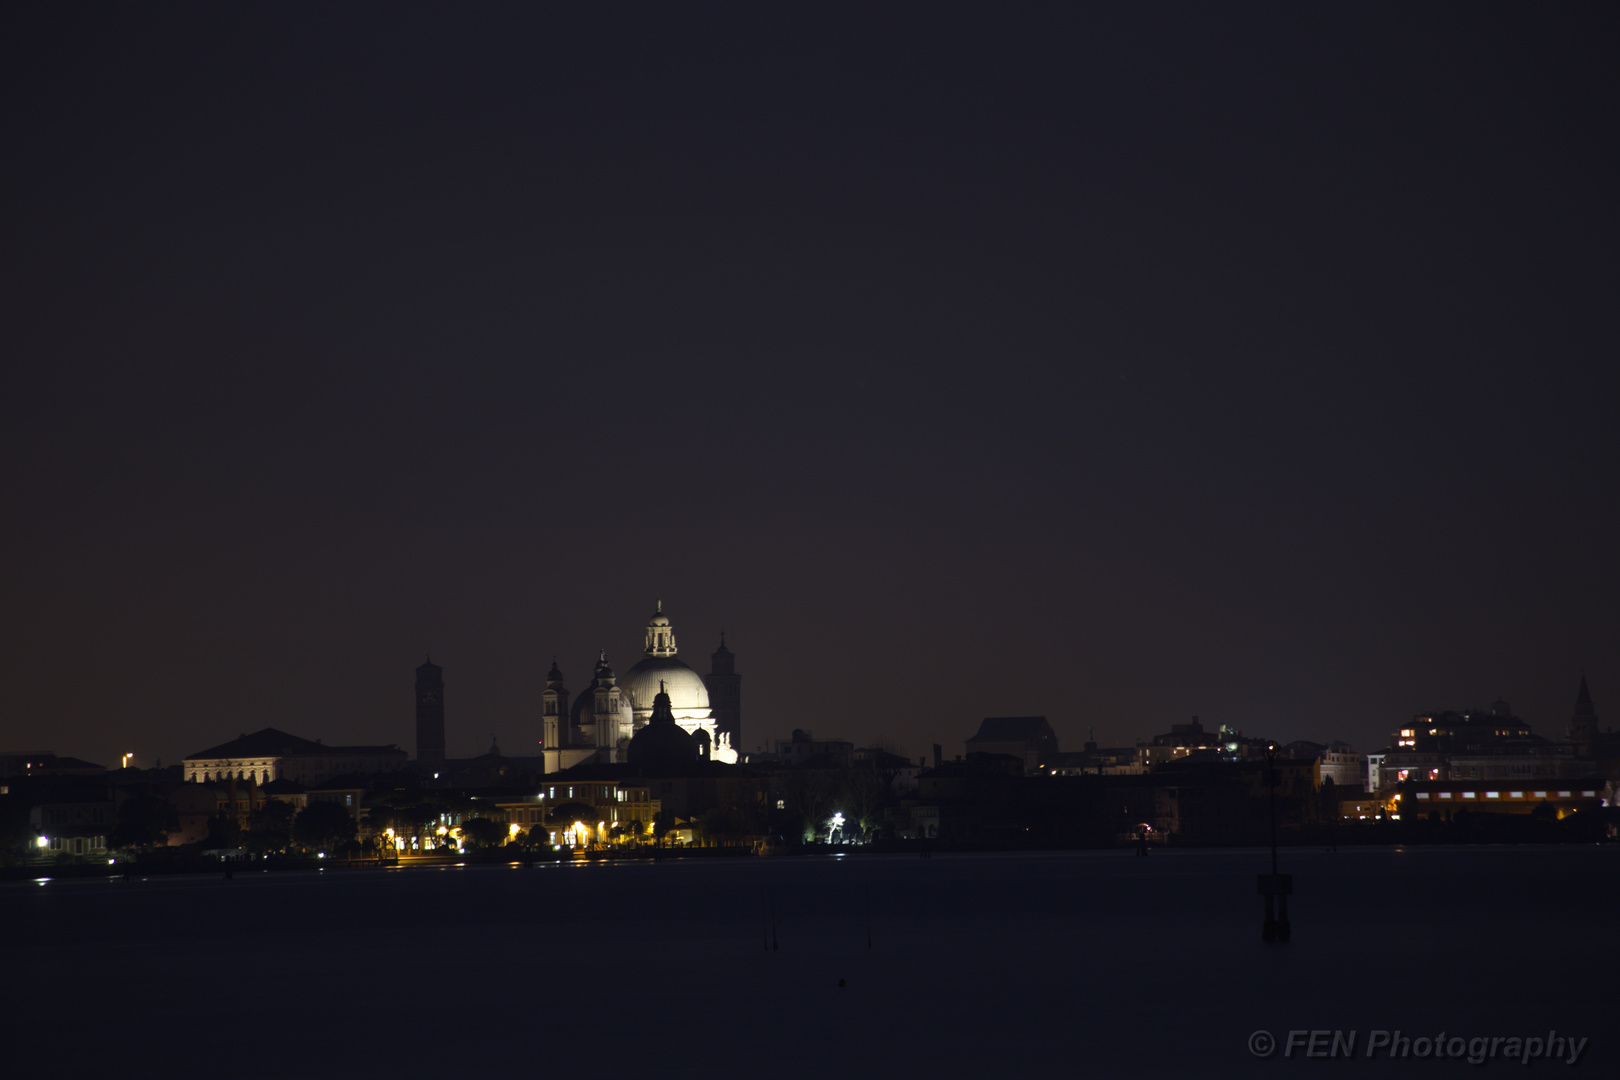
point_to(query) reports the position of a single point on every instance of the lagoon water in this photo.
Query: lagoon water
(1009, 965)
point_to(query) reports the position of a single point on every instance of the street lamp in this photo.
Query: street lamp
(127, 756)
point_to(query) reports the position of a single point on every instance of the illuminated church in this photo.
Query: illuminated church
(601, 721)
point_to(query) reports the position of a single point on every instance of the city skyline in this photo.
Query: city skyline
(472, 738)
(1111, 364)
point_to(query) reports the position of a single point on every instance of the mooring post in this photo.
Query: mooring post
(1274, 887)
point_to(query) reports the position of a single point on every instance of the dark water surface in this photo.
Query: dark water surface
(1062, 964)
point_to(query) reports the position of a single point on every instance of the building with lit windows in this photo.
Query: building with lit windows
(666, 762)
(1470, 745)
(585, 812)
(275, 755)
(77, 829)
(1443, 798)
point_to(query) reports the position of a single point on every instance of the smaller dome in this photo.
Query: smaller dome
(583, 710)
(663, 744)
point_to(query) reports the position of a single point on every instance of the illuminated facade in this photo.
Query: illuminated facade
(275, 755)
(600, 723)
(585, 813)
(1442, 798)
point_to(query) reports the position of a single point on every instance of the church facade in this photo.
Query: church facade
(599, 724)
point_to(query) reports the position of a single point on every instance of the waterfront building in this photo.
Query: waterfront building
(271, 754)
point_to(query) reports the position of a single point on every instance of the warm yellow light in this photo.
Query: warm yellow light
(513, 829)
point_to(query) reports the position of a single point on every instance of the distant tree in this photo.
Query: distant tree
(722, 825)
(144, 822)
(224, 831)
(482, 832)
(270, 826)
(17, 836)
(663, 822)
(416, 820)
(809, 795)
(864, 793)
(379, 819)
(324, 826)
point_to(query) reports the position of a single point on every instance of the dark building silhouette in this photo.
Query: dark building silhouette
(725, 692)
(1028, 738)
(1583, 726)
(662, 745)
(430, 716)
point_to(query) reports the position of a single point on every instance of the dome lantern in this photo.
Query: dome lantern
(660, 634)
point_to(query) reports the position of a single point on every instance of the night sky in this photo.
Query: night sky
(1116, 363)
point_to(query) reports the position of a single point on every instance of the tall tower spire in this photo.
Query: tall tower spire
(430, 717)
(725, 692)
(1583, 726)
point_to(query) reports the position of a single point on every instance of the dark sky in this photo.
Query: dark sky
(1117, 363)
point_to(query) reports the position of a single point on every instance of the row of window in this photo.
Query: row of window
(261, 775)
(1511, 794)
(72, 815)
(1492, 771)
(600, 791)
(78, 845)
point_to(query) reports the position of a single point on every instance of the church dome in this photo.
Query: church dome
(683, 685)
(583, 710)
(662, 745)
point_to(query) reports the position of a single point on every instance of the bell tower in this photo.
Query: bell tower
(553, 708)
(1583, 726)
(608, 707)
(725, 692)
(430, 717)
